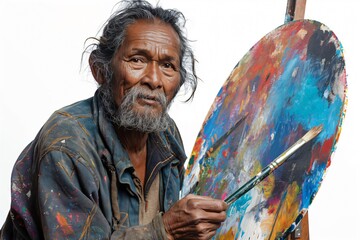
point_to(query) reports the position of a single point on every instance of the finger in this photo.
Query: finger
(210, 234)
(207, 204)
(194, 196)
(197, 231)
(210, 217)
(207, 230)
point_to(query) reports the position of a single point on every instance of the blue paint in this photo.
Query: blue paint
(311, 184)
(319, 109)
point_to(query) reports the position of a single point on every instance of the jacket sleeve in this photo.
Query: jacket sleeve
(67, 196)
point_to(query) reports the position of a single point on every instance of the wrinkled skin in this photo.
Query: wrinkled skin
(194, 217)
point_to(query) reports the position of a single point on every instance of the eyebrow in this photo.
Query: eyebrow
(145, 52)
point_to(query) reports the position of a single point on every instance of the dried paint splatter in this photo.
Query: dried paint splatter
(64, 225)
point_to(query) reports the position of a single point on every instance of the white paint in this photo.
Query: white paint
(42, 41)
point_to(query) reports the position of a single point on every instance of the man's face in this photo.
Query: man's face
(147, 66)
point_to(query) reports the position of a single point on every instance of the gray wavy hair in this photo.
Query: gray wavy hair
(114, 33)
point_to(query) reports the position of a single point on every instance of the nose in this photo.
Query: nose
(153, 76)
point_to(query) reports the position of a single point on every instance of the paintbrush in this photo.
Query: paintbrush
(218, 143)
(273, 165)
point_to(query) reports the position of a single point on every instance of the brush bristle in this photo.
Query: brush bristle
(312, 133)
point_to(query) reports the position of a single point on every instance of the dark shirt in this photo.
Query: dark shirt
(76, 181)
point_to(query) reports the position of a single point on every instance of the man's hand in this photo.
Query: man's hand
(194, 217)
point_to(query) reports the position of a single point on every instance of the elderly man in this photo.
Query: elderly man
(112, 166)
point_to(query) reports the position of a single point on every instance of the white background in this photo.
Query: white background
(41, 43)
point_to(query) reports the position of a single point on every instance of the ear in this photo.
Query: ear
(96, 70)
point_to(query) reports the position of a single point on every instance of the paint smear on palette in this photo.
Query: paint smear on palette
(292, 80)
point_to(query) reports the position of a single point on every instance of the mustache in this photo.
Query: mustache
(125, 115)
(137, 92)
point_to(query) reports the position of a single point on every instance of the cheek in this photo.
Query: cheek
(123, 80)
(118, 92)
(131, 76)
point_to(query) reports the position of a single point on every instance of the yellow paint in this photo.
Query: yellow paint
(268, 185)
(289, 210)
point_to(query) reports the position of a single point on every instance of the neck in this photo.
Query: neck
(133, 141)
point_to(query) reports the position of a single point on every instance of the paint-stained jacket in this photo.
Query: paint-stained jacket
(61, 184)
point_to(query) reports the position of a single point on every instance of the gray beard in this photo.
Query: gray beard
(125, 116)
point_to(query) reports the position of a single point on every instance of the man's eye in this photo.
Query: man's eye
(136, 60)
(169, 65)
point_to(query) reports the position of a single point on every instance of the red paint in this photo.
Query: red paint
(320, 152)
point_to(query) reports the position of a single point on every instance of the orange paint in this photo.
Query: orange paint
(228, 235)
(64, 225)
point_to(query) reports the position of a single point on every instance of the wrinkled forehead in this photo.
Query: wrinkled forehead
(153, 30)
